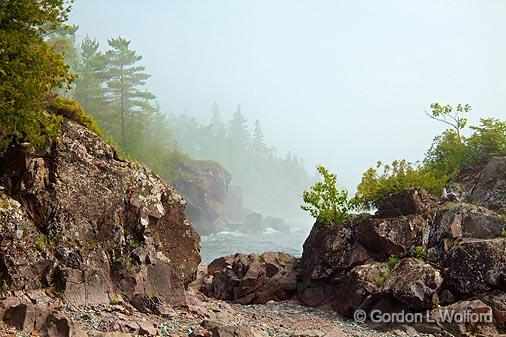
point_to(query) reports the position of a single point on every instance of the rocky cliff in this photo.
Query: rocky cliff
(419, 254)
(204, 185)
(81, 222)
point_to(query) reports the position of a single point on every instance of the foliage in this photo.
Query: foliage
(269, 182)
(451, 116)
(29, 69)
(488, 140)
(385, 271)
(125, 79)
(325, 202)
(420, 252)
(72, 110)
(114, 300)
(449, 154)
(393, 261)
(111, 87)
(395, 177)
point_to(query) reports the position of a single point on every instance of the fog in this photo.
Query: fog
(341, 83)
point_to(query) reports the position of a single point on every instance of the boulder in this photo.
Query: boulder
(331, 251)
(484, 185)
(84, 221)
(59, 325)
(204, 185)
(464, 317)
(253, 223)
(277, 224)
(253, 278)
(456, 220)
(497, 301)
(406, 202)
(361, 288)
(475, 266)
(414, 284)
(383, 237)
(28, 310)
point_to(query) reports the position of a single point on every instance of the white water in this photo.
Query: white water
(228, 243)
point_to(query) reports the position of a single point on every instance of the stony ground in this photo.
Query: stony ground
(284, 319)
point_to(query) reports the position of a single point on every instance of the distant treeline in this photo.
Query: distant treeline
(110, 85)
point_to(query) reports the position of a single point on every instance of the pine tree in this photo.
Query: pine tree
(217, 125)
(29, 69)
(125, 82)
(238, 131)
(258, 143)
(89, 86)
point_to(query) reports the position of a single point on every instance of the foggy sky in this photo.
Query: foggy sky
(340, 83)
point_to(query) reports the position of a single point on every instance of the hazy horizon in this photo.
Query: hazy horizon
(339, 83)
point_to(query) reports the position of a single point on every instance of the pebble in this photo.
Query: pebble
(280, 319)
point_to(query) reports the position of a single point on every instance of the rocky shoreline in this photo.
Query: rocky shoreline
(92, 244)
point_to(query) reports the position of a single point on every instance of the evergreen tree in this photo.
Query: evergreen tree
(258, 143)
(238, 131)
(217, 125)
(30, 70)
(89, 86)
(125, 81)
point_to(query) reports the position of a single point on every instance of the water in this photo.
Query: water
(229, 243)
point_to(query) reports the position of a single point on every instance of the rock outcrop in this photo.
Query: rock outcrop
(417, 253)
(484, 185)
(252, 278)
(79, 220)
(204, 185)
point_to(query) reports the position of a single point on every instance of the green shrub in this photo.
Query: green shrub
(449, 154)
(377, 183)
(72, 110)
(29, 70)
(114, 300)
(41, 242)
(488, 140)
(420, 252)
(325, 201)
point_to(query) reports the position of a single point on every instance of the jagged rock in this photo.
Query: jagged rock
(24, 260)
(91, 224)
(253, 223)
(204, 185)
(476, 265)
(406, 202)
(482, 326)
(484, 186)
(361, 288)
(58, 325)
(456, 220)
(253, 278)
(277, 224)
(28, 310)
(383, 237)
(497, 301)
(414, 284)
(328, 253)
(330, 250)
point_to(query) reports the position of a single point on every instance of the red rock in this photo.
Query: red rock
(254, 278)
(406, 202)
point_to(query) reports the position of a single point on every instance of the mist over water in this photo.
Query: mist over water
(333, 82)
(229, 243)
